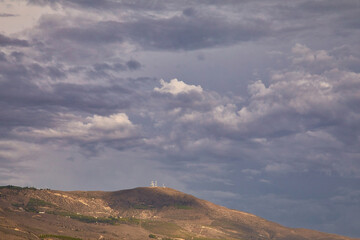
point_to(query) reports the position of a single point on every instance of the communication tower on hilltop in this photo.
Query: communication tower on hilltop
(153, 183)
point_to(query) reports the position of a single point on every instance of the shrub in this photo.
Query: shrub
(16, 187)
(34, 203)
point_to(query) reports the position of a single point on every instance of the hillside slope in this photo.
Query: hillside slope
(140, 213)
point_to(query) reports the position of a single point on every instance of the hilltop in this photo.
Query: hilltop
(139, 213)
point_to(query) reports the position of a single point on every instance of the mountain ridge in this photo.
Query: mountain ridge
(138, 213)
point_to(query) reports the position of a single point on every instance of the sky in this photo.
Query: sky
(253, 105)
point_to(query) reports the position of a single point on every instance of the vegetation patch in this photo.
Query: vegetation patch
(16, 187)
(90, 219)
(163, 228)
(58, 237)
(18, 205)
(141, 206)
(178, 206)
(129, 220)
(87, 219)
(35, 203)
(200, 238)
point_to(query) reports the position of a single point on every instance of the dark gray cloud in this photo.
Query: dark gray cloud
(105, 70)
(189, 12)
(198, 26)
(88, 34)
(113, 5)
(180, 33)
(175, 33)
(7, 15)
(17, 55)
(2, 57)
(330, 6)
(342, 14)
(108, 5)
(113, 67)
(351, 21)
(133, 65)
(27, 103)
(7, 41)
(90, 99)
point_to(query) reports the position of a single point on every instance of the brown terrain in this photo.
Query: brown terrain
(140, 213)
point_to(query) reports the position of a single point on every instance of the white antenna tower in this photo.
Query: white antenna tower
(163, 186)
(155, 183)
(152, 184)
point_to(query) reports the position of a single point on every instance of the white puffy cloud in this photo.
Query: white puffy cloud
(89, 129)
(293, 101)
(176, 87)
(281, 125)
(303, 54)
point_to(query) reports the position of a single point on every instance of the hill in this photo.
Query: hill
(140, 213)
